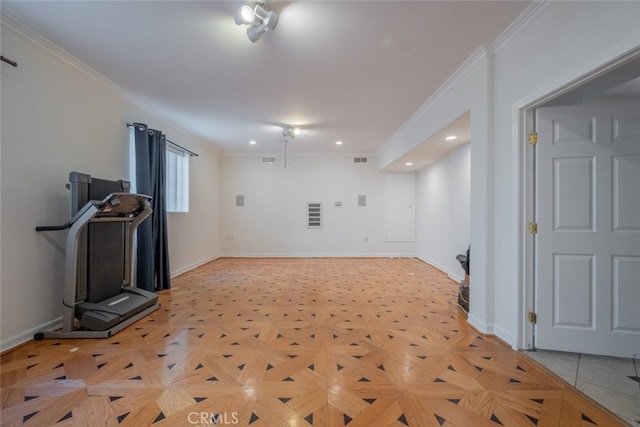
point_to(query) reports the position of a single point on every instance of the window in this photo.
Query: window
(176, 173)
(177, 179)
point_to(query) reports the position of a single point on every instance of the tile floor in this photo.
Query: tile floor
(612, 382)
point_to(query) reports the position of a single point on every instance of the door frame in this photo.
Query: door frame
(523, 115)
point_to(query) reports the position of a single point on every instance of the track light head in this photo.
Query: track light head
(244, 13)
(269, 19)
(254, 32)
(258, 15)
(291, 132)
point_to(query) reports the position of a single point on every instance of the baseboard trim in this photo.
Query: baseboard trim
(491, 330)
(12, 342)
(314, 255)
(505, 337)
(432, 263)
(19, 339)
(482, 327)
(455, 277)
(193, 266)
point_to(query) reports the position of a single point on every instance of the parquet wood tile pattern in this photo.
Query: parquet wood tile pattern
(292, 342)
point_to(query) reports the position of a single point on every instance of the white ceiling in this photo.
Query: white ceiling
(435, 147)
(630, 89)
(353, 71)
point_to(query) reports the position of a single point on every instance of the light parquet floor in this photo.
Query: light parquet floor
(292, 342)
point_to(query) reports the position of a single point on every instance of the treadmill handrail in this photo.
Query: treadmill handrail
(90, 203)
(53, 227)
(69, 223)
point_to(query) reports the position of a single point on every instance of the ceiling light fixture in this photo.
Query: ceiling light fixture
(338, 142)
(252, 142)
(291, 132)
(408, 164)
(245, 15)
(258, 15)
(451, 137)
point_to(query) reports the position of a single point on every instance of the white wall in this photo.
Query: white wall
(272, 222)
(459, 207)
(559, 46)
(551, 47)
(56, 119)
(469, 89)
(194, 237)
(443, 211)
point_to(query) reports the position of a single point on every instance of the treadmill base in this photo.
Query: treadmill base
(77, 333)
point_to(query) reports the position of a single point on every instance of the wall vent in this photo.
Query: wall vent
(359, 160)
(269, 159)
(314, 214)
(362, 200)
(239, 199)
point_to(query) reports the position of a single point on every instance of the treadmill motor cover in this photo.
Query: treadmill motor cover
(110, 312)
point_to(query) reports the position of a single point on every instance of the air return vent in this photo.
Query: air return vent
(314, 214)
(269, 159)
(359, 160)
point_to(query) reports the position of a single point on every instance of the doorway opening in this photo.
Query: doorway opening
(616, 80)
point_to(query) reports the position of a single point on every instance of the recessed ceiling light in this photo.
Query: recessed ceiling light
(451, 137)
(408, 164)
(338, 142)
(252, 142)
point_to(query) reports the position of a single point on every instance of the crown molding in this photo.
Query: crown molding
(484, 51)
(40, 41)
(522, 22)
(35, 38)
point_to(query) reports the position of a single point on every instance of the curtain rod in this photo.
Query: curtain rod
(8, 61)
(179, 147)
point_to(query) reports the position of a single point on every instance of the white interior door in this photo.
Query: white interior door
(588, 241)
(399, 214)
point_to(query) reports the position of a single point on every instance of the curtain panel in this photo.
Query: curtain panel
(153, 272)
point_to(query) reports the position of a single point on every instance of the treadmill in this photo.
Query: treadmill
(99, 299)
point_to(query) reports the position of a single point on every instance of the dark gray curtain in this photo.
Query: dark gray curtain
(153, 271)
